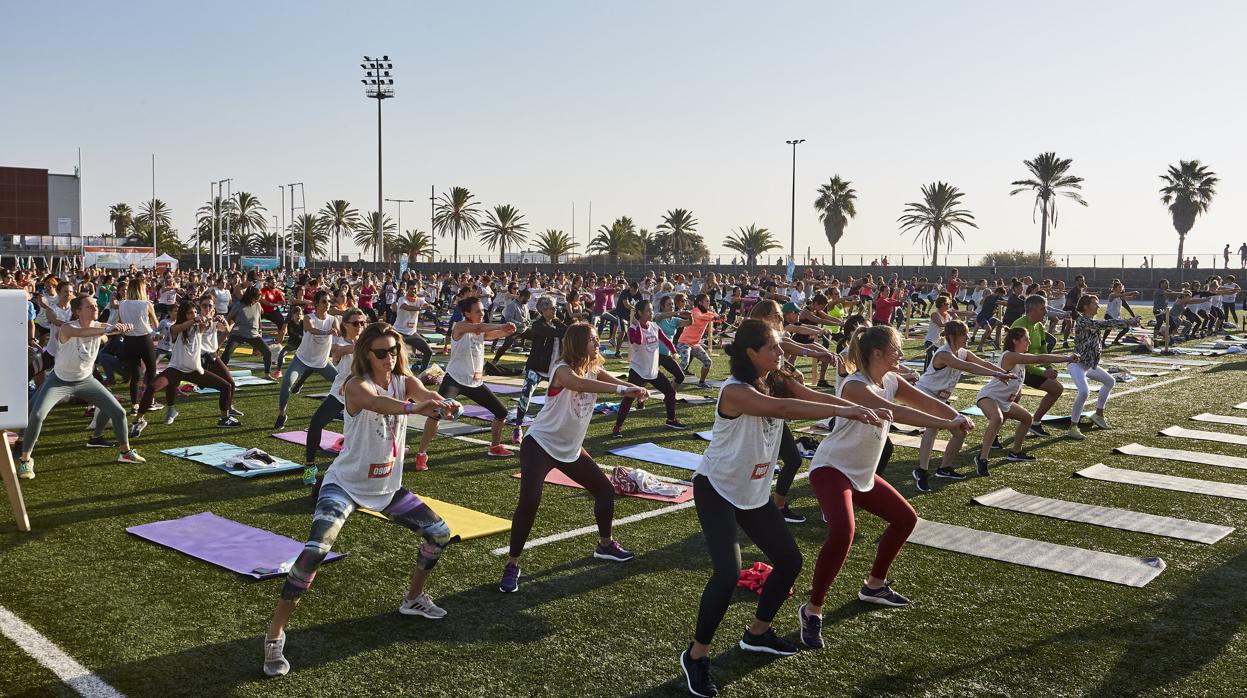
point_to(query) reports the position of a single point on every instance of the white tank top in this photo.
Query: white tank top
(560, 427)
(344, 370)
(221, 298)
(740, 461)
(62, 314)
(1113, 309)
(934, 331)
(999, 390)
(314, 349)
(76, 356)
(134, 312)
(209, 340)
(934, 381)
(852, 447)
(643, 357)
(169, 295)
(467, 359)
(186, 351)
(370, 466)
(405, 320)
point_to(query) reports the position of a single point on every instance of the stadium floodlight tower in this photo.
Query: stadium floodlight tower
(792, 230)
(378, 85)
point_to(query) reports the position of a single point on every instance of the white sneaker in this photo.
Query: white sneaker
(275, 663)
(1100, 421)
(95, 419)
(422, 606)
(170, 415)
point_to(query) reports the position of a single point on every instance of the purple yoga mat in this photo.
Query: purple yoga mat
(328, 439)
(501, 389)
(225, 543)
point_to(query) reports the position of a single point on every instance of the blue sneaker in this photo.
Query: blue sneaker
(614, 552)
(883, 596)
(811, 628)
(510, 579)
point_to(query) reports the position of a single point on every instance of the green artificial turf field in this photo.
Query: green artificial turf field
(151, 621)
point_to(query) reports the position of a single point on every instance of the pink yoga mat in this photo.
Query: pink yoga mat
(558, 477)
(328, 439)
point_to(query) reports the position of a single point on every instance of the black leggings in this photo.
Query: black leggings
(535, 464)
(765, 527)
(791, 456)
(658, 381)
(329, 410)
(135, 350)
(668, 361)
(481, 395)
(257, 343)
(419, 346)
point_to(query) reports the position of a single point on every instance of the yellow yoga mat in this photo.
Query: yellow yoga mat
(1025, 391)
(464, 522)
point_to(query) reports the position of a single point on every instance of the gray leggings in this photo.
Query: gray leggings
(298, 372)
(54, 390)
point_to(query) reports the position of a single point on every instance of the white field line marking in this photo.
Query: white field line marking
(554, 538)
(1147, 387)
(472, 440)
(53, 658)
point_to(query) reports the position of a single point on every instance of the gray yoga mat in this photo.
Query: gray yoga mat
(1099, 471)
(1093, 564)
(1125, 519)
(1166, 360)
(1186, 456)
(446, 428)
(1221, 419)
(1181, 433)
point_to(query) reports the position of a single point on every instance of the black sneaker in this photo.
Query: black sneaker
(791, 516)
(980, 465)
(1020, 456)
(996, 445)
(920, 480)
(676, 424)
(811, 628)
(949, 474)
(1038, 430)
(884, 596)
(697, 674)
(228, 422)
(767, 643)
(616, 434)
(100, 442)
(825, 384)
(236, 413)
(281, 421)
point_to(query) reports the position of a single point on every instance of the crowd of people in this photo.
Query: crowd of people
(810, 348)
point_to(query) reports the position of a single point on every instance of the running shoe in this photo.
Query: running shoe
(791, 516)
(676, 424)
(980, 466)
(697, 675)
(131, 456)
(281, 421)
(235, 413)
(767, 643)
(155, 406)
(884, 596)
(422, 606)
(825, 384)
(309, 474)
(811, 628)
(1020, 457)
(616, 434)
(949, 474)
(510, 579)
(170, 415)
(137, 428)
(1075, 433)
(517, 436)
(100, 442)
(1038, 429)
(920, 480)
(275, 663)
(704, 385)
(1100, 421)
(996, 445)
(422, 462)
(228, 422)
(26, 469)
(614, 552)
(499, 451)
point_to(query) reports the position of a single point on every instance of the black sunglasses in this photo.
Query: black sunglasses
(385, 353)
(358, 323)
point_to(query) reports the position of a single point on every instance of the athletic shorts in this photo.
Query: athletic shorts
(1034, 381)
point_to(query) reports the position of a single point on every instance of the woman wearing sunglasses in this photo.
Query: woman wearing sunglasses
(379, 395)
(312, 356)
(340, 355)
(209, 344)
(465, 374)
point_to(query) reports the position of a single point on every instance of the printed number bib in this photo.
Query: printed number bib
(760, 471)
(380, 469)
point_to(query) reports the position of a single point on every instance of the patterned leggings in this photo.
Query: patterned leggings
(332, 509)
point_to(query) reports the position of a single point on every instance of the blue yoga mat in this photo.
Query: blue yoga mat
(661, 455)
(215, 454)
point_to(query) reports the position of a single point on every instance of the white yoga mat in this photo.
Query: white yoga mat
(974, 411)
(1125, 519)
(1181, 433)
(1093, 564)
(653, 453)
(689, 399)
(1099, 471)
(911, 441)
(1221, 419)
(1185, 456)
(1167, 360)
(1241, 406)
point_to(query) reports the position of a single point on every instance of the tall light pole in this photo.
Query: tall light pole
(378, 85)
(792, 232)
(281, 231)
(225, 198)
(303, 252)
(400, 203)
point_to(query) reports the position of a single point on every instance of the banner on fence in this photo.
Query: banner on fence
(119, 257)
(261, 263)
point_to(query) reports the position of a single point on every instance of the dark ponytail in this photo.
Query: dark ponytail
(752, 334)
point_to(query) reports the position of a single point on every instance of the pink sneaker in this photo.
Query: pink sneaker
(516, 437)
(499, 451)
(422, 461)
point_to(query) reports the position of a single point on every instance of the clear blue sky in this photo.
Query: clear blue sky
(645, 106)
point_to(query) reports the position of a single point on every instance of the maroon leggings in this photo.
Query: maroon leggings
(175, 378)
(836, 498)
(535, 464)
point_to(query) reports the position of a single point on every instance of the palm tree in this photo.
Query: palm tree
(1049, 177)
(554, 244)
(247, 219)
(616, 239)
(678, 223)
(456, 215)
(503, 226)
(751, 242)
(366, 234)
(307, 227)
(211, 216)
(167, 239)
(413, 243)
(120, 215)
(936, 217)
(264, 243)
(836, 204)
(1188, 191)
(156, 210)
(337, 217)
(646, 242)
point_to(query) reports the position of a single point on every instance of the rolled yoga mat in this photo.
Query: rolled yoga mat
(1186, 456)
(1181, 433)
(1093, 564)
(1099, 471)
(1125, 519)
(1221, 419)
